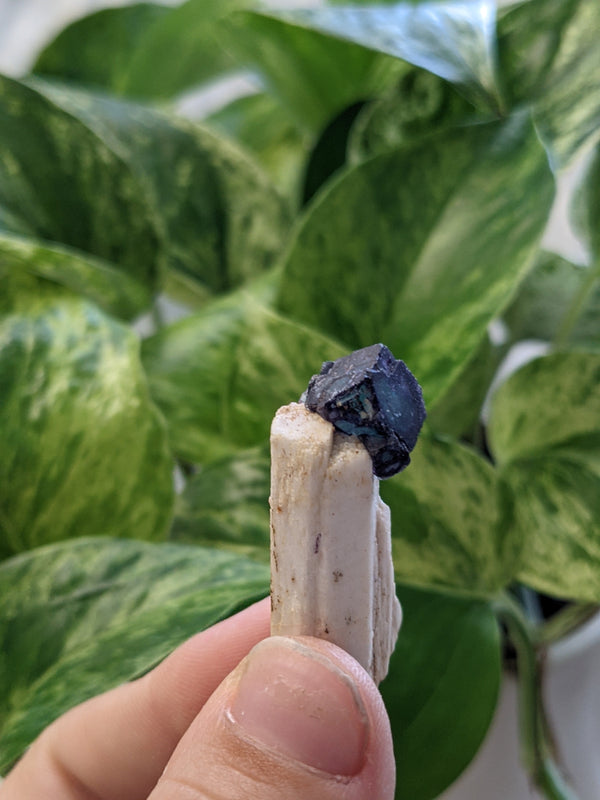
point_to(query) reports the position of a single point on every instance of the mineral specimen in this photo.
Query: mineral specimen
(332, 573)
(371, 395)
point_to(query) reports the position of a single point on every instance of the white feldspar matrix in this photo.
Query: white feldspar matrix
(331, 561)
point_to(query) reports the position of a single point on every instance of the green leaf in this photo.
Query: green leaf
(455, 40)
(458, 412)
(84, 451)
(581, 321)
(585, 333)
(585, 205)
(155, 52)
(529, 38)
(451, 521)
(187, 48)
(62, 183)
(112, 289)
(80, 617)
(20, 290)
(557, 513)
(444, 677)
(226, 504)
(568, 110)
(555, 301)
(311, 74)
(545, 404)
(419, 104)
(220, 374)
(97, 50)
(422, 246)
(329, 152)
(224, 222)
(262, 126)
(545, 432)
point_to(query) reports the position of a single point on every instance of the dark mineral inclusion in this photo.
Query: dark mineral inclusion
(371, 395)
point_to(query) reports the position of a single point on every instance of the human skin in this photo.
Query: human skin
(230, 714)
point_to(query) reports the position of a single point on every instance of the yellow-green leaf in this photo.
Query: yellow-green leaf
(84, 450)
(78, 618)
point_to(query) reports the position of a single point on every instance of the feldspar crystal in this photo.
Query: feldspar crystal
(332, 573)
(371, 395)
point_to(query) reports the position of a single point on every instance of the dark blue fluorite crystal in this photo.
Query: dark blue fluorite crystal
(371, 395)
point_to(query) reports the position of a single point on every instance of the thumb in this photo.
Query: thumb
(298, 718)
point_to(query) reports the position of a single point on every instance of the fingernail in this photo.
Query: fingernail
(298, 703)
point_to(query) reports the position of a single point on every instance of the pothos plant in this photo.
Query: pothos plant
(389, 180)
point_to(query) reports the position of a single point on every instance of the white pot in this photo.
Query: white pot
(572, 694)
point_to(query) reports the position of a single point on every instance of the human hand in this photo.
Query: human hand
(296, 719)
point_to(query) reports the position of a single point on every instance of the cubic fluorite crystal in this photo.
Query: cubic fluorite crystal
(371, 395)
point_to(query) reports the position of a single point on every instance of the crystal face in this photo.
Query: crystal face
(371, 395)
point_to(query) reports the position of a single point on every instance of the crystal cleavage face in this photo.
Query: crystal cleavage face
(371, 395)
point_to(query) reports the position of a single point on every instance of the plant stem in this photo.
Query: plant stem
(537, 750)
(569, 321)
(156, 315)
